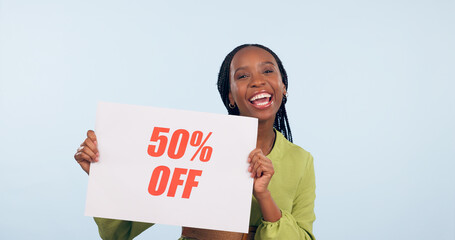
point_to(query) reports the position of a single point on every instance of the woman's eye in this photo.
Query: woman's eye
(268, 71)
(242, 76)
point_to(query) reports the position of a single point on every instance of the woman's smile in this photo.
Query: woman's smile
(261, 100)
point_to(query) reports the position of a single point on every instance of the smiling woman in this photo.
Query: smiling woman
(238, 66)
(255, 84)
(252, 82)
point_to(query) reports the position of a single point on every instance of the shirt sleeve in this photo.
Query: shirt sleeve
(297, 224)
(113, 229)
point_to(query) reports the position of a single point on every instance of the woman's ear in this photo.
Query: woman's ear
(231, 99)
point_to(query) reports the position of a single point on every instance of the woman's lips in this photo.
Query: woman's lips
(261, 100)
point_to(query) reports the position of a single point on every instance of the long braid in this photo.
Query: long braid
(281, 119)
(282, 123)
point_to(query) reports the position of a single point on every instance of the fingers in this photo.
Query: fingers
(83, 159)
(259, 164)
(91, 135)
(90, 145)
(262, 166)
(253, 153)
(87, 152)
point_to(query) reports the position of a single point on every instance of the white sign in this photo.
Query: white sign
(172, 167)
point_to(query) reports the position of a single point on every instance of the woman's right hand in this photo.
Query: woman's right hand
(87, 152)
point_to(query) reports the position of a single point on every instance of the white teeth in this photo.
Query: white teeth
(261, 95)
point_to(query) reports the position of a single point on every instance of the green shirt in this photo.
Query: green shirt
(292, 188)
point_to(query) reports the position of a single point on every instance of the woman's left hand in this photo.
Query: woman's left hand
(261, 168)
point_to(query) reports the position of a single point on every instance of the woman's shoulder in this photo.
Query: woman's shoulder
(291, 151)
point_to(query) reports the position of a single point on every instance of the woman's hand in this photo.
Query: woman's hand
(261, 168)
(87, 152)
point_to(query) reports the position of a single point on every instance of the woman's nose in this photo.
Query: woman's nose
(257, 81)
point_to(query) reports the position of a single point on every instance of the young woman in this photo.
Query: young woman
(252, 82)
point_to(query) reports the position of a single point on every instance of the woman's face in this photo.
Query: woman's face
(256, 86)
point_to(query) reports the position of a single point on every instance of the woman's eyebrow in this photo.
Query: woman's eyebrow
(265, 63)
(260, 64)
(240, 68)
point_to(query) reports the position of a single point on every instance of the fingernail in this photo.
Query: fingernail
(249, 160)
(97, 159)
(95, 142)
(98, 154)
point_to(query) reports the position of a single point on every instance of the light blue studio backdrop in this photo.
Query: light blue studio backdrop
(371, 97)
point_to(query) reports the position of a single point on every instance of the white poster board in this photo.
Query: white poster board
(172, 167)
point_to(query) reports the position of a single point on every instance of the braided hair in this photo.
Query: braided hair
(281, 119)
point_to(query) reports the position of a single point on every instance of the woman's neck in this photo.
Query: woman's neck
(266, 137)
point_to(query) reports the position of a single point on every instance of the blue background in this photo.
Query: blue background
(371, 87)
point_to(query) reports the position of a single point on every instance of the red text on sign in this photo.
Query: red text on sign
(160, 180)
(178, 144)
